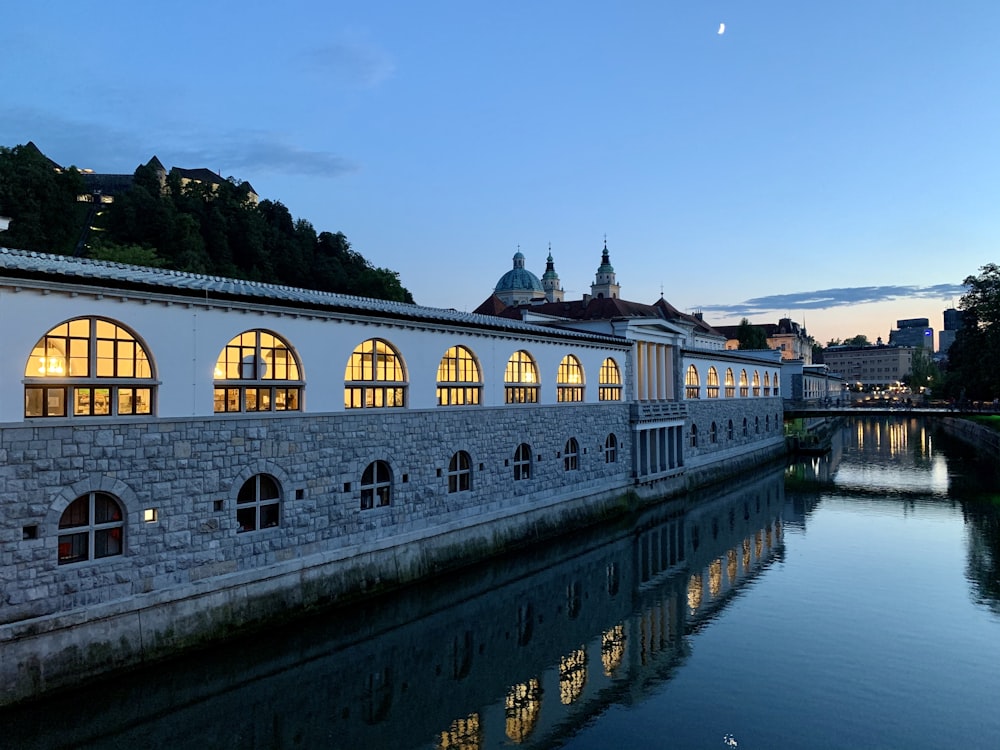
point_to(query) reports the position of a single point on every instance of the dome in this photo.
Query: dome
(518, 279)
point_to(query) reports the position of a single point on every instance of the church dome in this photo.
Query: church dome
(518, 279)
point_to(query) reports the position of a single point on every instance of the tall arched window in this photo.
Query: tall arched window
(610, 381)
(571, 455)
(744, 384)
(730, 383)
(459, 382)
(522, 462)
(775, 389)
(376, 485)
(713, 433)
(729, 431)
(88, 367)
(374, 378)
(460, 473)
(611, 449)
(694, 435)
(521, 379)
(767, 383)
(91, 527)
(569, 380)
(692, 387)
(756, 383)
(712, 385)
(257, 371)
(258, 504)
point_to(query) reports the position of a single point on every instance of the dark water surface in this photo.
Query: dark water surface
(849, 601)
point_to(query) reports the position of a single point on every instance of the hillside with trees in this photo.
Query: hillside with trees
(162, 220)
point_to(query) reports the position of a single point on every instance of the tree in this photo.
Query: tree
(751, 336)
(974, 358)
(923, 372)
(858, 340)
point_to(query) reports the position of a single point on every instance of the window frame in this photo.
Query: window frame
(611, 448)
(245, 381)
(90, 530)
(522, 462)
(376, 482)
(377, 391)
(692, 383)
(712, 382)
(570, 380)
(460, 473)
(252, 503)
(459, 378)
(609, 381)
(521, 381)
(57, 392)
(571, 455)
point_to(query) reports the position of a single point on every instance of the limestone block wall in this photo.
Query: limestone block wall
(189, 472)
(756, 423)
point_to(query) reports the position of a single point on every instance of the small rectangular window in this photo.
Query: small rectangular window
(150, 515)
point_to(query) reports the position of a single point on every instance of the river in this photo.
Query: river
(847, 601)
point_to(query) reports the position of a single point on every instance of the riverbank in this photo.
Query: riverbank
(984, 439)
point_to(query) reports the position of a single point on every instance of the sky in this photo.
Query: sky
(836, 163)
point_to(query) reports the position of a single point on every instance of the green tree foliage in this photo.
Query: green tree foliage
(41, 202)
(196, 227)
(974, 358)
(751, 336)
(923, 372)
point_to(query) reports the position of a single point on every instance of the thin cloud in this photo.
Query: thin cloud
(245, 155)
(353, 60)
(824, 299)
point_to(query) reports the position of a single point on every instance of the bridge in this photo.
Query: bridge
(795, 410)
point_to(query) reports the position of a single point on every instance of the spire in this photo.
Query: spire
(605, 284)
(550, 280)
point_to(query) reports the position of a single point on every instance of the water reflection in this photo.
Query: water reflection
(522, 651)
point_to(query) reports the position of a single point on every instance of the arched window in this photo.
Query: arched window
(376, 485)
(258, 504)
(744, 384)
(521, 379)
(767, 423)
(692, 388)
(257, 371)
(459, 380)
(571, 455)
(569, 380)
(611, 449)
(756, 425)
(730, 383)
(522, 462)
(88, 367)
(460, 473)
(756, 383)
(694, 435)
(713, 383)
(713, 433)
(91, 527)
(767, 383)
(610, 385)
(730, 433)
(746, 430)
(775, 391)
(374, 378)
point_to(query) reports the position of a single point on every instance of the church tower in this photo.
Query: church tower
(604, 282)
(550, 281)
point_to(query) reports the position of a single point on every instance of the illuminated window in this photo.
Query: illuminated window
(521, 709)
(257, 371)
(571, 456)
(744, 384)
(569, 381)
(767, 383)
(258, 503)
(610, 382)
(463, 734)
(611, 449)
(460, 473)
(88, 367)
(376, 485)
(712, 383)
(91, 527)
(730, 383)
(459, 380)
(572, 676)
(374, 378)
(522, 462)
(756, 383)
(692, 387)
(521, 379)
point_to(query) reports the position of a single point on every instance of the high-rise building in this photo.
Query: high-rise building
(914, 332)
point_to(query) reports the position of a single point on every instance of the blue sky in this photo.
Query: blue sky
(835, 162)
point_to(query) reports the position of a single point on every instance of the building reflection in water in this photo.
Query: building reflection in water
(499, 655)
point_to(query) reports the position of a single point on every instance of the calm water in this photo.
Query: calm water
(851, 601)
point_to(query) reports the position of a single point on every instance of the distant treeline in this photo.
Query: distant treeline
(197, 227)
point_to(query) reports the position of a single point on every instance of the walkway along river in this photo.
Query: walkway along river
(851, 600)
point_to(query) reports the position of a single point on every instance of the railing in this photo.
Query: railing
(653, 411)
